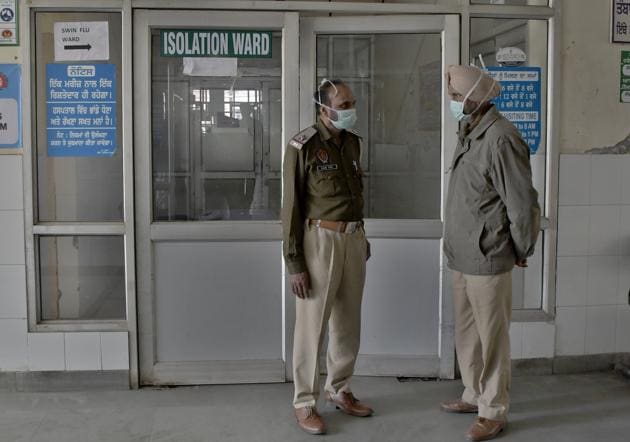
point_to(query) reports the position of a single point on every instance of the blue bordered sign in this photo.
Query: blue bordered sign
(81, 110)
(520, 100)
(10, 106)
(9, 23)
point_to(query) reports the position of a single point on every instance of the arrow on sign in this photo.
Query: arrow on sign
(72, 47)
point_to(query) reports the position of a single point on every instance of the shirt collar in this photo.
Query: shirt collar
(487, 120)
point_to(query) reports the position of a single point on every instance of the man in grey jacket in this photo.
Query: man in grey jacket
(492, 222)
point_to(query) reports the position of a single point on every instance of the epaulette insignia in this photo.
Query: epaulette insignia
(301, 138)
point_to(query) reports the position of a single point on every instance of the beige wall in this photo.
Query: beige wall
(590, 112)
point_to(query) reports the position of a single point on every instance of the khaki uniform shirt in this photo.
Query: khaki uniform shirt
(492, 213)
(321, 181)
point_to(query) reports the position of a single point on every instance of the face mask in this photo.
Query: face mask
(346, 119)
(457, 110)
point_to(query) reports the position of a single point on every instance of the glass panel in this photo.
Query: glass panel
(81, 277)
(216, 136)
(487, 37)
(512, 2)
(397, 80)
(83, 185)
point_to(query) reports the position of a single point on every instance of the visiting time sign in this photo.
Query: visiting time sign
(520, 100)
(214, 43)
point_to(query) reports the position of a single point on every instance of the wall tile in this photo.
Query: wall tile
(12, 291)
(603, 280)
(570, 330)
(573, 230)
(115, 351)
(538, 340)
(623, 329)
(11, 189)
(572, 280)
(624, 280)
(600, 329)
(603, 238)
(516, 340)
(13, 355)
(624, 231)
(605, 179)
(46, 352)
(575, 180)
(12, 237)
(83, 351)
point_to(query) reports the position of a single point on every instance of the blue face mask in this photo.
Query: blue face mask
(457, 110)
(346, 119)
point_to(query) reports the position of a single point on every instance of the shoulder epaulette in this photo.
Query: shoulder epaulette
(301, 138)
(354, 132)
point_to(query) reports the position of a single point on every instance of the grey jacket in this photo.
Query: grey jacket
(492, 213)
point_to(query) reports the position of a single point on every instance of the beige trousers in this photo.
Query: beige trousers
(483, 309)
(336, 266)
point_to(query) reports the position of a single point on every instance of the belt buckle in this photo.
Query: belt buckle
(341, 227)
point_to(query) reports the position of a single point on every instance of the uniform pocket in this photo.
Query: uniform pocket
(327, 185)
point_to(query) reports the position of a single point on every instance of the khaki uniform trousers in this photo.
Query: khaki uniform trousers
(336, 266)
(483, 310)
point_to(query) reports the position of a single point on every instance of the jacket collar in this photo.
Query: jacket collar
(487, 120)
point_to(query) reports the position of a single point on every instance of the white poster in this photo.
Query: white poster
(81, 41)
(211, 67)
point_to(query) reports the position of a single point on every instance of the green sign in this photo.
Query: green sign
(214, 43)
(624, 87)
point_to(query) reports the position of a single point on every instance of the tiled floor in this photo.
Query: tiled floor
(576, 408)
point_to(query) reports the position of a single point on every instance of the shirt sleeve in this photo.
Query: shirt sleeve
(512, 177)
(292, 210)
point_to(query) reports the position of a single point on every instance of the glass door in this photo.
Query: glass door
(395, 66)
(211, 89)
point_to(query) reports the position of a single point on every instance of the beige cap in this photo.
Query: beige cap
(461, 79)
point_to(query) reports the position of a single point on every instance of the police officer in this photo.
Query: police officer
(325, 251)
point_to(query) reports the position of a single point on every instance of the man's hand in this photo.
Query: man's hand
(521, 262)
(300, 284)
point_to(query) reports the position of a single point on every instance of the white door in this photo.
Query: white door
(395, 66)
(211, 94)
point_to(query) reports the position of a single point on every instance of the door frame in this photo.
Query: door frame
(448, 27)
(150, 371)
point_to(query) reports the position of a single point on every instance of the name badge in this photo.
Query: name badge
(327, 167)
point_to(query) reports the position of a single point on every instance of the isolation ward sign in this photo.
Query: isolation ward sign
(215, 43)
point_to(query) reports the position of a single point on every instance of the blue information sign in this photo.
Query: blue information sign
(81, 110)
(10, 106)
(519, 101)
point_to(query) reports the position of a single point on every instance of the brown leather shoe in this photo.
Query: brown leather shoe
(309, 420)
(485, 429)
(458, 406)
(346, 402)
